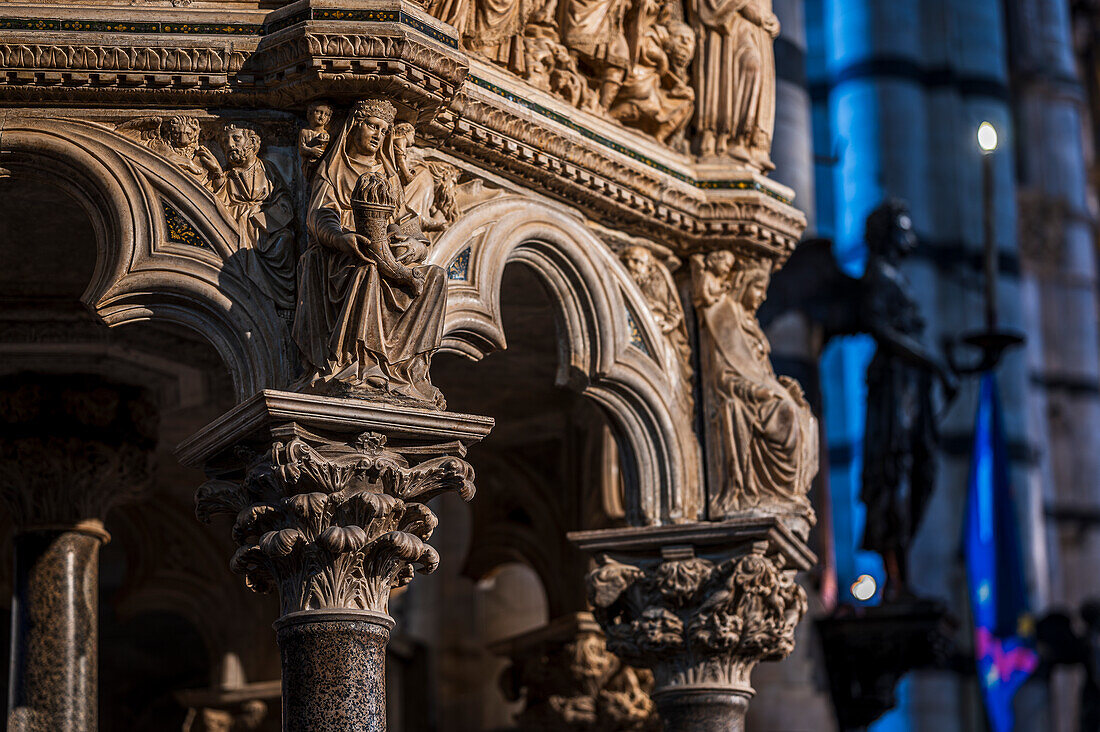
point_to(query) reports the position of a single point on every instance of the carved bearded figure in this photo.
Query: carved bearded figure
(734, 76)
(370, 312)
(767, 433)
(254, 194)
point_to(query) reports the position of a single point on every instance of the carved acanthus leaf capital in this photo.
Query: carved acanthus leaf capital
(698, 621)
(332, 524)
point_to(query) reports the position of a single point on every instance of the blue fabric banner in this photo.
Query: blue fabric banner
(1004, 646)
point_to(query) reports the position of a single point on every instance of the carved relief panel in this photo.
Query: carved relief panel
(653, 65)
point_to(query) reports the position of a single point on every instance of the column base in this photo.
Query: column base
(703, 710)
(334, 670)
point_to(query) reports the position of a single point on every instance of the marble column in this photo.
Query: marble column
(328, 500)
(70, 449)
(699, 604)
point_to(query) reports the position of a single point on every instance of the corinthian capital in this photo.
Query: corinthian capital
(71, 448)
(696, 621)
(333, 524)
(328, 495)
(700, 604)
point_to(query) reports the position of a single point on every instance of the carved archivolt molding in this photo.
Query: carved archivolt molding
(142, 272)
(639, 387)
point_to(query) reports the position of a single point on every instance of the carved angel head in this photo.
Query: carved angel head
(318, 115)
(720, 262)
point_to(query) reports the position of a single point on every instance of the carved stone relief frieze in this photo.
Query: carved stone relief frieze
(651, 65)
(762, 437)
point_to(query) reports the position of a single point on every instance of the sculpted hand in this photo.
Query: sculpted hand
(355, 244)
(207, 160)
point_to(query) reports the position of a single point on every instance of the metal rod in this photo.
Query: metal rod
(989, 243)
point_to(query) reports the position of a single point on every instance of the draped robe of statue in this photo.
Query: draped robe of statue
(769, 436)
(734, 76)
(260, 203)
(355, 328)
(495, 30)
(594, 29)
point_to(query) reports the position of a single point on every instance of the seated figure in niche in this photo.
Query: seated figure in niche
(370, 312)
(254, 194)
(767, 434)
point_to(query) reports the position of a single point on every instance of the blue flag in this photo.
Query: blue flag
(1004, 645)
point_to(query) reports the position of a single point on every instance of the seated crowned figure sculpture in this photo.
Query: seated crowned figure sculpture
(370, 312)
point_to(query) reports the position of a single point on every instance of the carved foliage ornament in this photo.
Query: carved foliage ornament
(695, 621)
(580, 685)
(333, 524)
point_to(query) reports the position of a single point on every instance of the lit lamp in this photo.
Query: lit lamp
(991, 341)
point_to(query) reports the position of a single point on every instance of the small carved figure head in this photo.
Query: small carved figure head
(181, 131)
(681, 44)
(240, 144)
(754, 288)
(720, 262)
(318, 115)
(638, 261)
(405, 132)
(889, 231)
(371, 121)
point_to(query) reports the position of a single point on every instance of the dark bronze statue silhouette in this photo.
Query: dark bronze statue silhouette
(900, 436)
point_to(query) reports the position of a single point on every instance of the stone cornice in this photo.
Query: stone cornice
(319, 48)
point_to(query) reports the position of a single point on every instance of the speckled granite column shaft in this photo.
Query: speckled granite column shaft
(334, 670)
(703, 710)
(54, 658)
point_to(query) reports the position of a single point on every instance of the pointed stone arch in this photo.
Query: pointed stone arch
(164, 247)
(611, 348)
